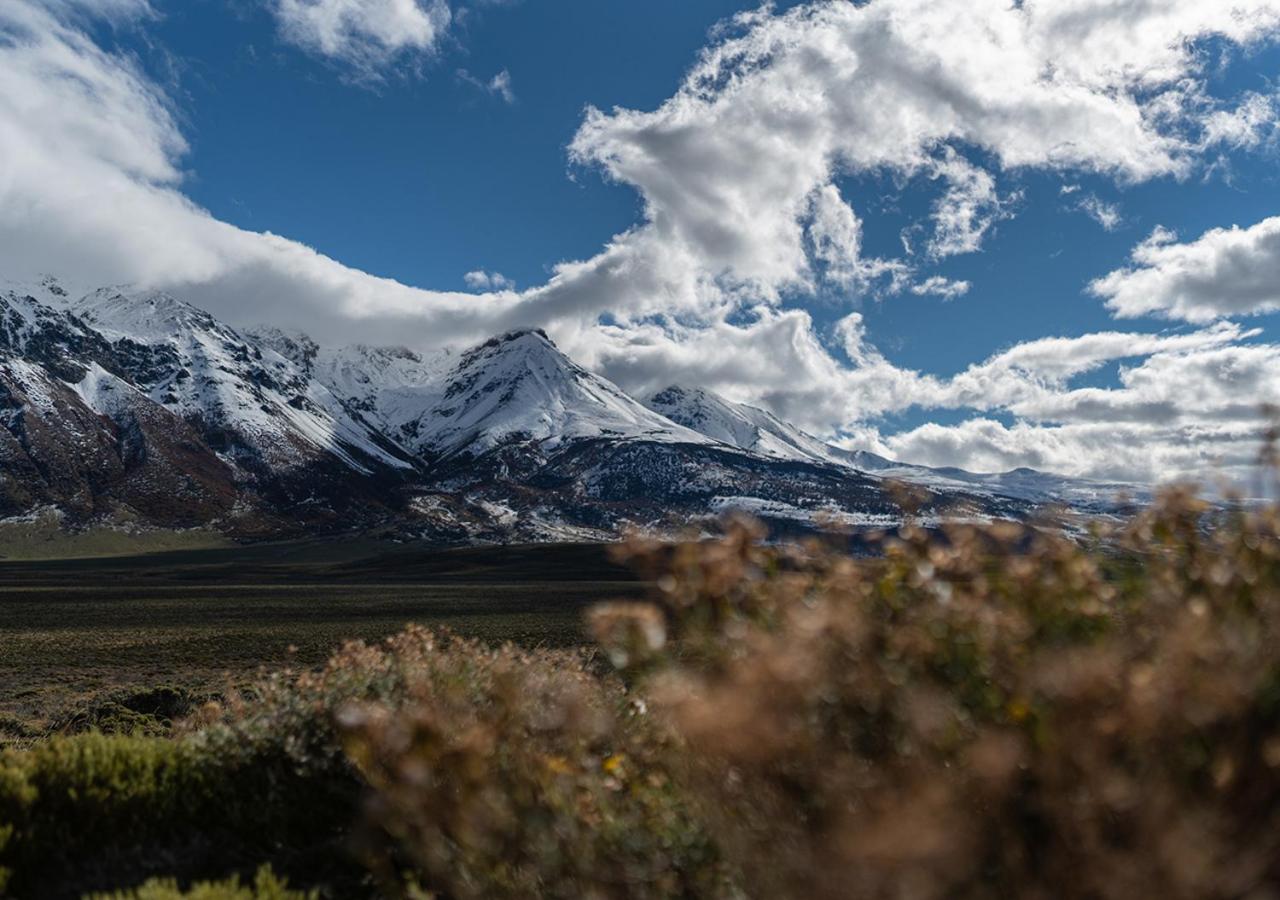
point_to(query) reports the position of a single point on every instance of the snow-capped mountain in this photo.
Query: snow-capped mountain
(519, 387)
(739, 425)
(758, 431)
(270, 411)
(392, 387)
(137, 405)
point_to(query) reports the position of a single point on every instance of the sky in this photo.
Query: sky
(983, 233)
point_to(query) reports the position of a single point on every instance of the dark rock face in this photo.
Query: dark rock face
(58, 452)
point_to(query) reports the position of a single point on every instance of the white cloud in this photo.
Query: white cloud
(1199, 390)
(737, 173)
(90, 188)
(967, 210)
(363, 34)
(480, 280)
(1226, 272)
(835, 239)
(938, 286)
(1137, 453)
(1250, 124)
(498, 86)
(766, 119)
(1106, 214)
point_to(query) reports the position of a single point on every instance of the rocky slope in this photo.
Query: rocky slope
(758, 431)
(125, 406)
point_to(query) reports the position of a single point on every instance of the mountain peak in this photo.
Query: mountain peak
(517, 340)
(518, 333)
(52, 286)
(519, 385)
(160, 402)
(46, 290)
(739, 425)
(675, 393)
(148, 315)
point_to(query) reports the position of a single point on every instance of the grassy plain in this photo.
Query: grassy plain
(78, 633)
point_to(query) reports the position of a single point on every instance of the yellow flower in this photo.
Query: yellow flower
(1018, 710)
(559, 765)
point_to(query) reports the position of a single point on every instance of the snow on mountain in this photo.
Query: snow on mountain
(758, 431)
(520, 387)
(270, 410)
(391, 385)
(139, 404)
(107, 394)
(1021, 484)
(739, 425)
(147, 317)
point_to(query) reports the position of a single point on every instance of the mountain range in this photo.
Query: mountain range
(136, 408)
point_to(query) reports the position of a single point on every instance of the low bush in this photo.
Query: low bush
(265, 886)
(152, 711)
(991, 711)
(93, 811)
(509, 773)
(980, 712)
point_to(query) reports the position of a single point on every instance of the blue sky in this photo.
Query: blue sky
(421, 141)
(426, 176)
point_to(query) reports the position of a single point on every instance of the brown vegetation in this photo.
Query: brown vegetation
(984, 711)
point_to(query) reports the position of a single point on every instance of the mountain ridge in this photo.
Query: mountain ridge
(142, 407)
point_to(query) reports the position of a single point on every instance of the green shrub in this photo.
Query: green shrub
(265, 887)
(152, 711)
(91, 811)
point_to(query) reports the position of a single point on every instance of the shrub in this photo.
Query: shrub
(992, 711)
(494, 771)
(518, 774)
(93, 810)
(265, 887)
(152, 711)
(982, 711)
(62, 797)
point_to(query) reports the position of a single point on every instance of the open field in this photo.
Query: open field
(78, 630)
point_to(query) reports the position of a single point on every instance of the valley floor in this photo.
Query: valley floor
(84, 638)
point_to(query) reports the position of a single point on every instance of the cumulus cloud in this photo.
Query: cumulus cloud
(739, 174)
(967, 210)
(1247, 126)
(363, 34)
(949, 91)
(1189, 409)
(835, 237)
(1226, 272)
(480, 280)
(1136, 453)
(90, 188)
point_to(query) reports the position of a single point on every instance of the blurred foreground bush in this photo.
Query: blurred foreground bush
(992, 711)
(982, 711)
